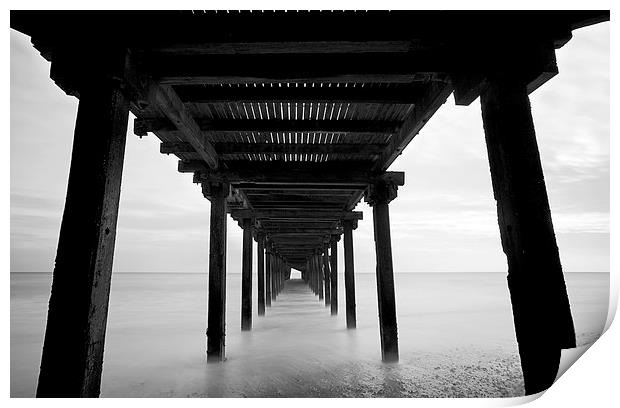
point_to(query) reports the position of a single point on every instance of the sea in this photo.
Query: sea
(456, 337)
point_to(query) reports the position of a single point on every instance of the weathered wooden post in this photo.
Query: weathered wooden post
(279, 275)
(541, 310)
(326, 272)
(334, 274)
(379, 195)
(313, 277)
(246, 276)
(319, 272)
(268, 264)
(72, 358)
(274, 276)
(261, 273)
(349, 272)
(216, 325)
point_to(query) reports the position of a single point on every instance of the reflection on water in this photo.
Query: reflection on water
(455, 331)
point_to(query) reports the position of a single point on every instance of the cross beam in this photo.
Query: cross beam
(350, 173)
(143, 126)
(301, 93)
(271, 148)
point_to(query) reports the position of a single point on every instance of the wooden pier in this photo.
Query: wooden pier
(288, 120)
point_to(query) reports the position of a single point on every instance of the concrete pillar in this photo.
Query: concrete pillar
(378, 196)
(349, 272)
(333, 259)
(541, 310)
(246, 276)
(216, 325)
(73, 346)
(261, 273)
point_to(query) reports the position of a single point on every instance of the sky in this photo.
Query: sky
(443, 220)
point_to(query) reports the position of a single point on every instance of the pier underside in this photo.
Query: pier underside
(288, 120)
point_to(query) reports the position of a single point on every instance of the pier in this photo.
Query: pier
(287, 120)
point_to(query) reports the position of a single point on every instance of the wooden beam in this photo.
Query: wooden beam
(299, 195)
(534, 62)
(286, 47)
(350, 173)
(143, 126)
(325, 67)
(467, 88)
(335, 205)
(251, 188)
(297, 232)
(300, 148)
(313, 215)
(271, 148)
(302, 93)
(284, 197)
(436, 95)
(165, 98)
(191, 166)
(271, 223)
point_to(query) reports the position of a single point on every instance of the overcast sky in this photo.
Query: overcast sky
(444, 218)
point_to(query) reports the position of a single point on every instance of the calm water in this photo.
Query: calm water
(455, 330)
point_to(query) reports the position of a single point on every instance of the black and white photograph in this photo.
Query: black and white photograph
(307, 203)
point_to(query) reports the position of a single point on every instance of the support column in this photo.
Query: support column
(315, 275)
(268, 264)
(274, 276)
(541, 310)
(326, 273)
(349, 272)
(216, 329)
(261, 273)
(334, 274)
(379, 196)
(246, 276)
(319, 272)
(278, 274)
(72, 358)
(312, 275)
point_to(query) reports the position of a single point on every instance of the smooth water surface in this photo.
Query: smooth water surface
(456, 338)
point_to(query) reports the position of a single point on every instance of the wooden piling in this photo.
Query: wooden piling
(326, 273)
(72, 358)
(312, 276)
(334, 274)
(246, 276)
(216, 331)
(541, 310)
(379, 196)
(261, 274)
(274, 276)
(319, 272)
(268, 256)
(349, 273)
